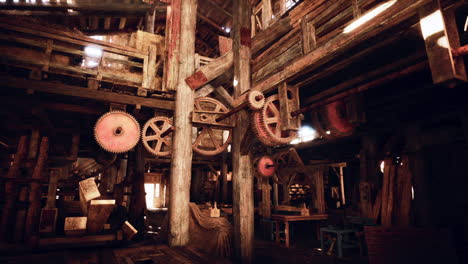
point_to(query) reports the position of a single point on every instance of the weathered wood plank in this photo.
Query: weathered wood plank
(64, 89)
(181, 165)
(271, 34)
(243, 204)
(210, 71)
(98, 213)
(394, 15)
(440, 39)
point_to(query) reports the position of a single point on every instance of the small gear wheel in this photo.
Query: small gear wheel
(155, 136)
(271, 122)
(265, 166)
(117, 131)
(256, 100)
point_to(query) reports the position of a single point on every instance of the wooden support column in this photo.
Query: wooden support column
(242, 179)
(267, 12)
(172, 45)
(149, 19)
(32, 219)
(224, 173)
(181, 166)
(138, 202)
(11, 189)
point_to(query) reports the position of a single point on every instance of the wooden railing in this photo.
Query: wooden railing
(311, 23)
(47, 50)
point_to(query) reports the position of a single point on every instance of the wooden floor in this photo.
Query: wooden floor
(147, 252)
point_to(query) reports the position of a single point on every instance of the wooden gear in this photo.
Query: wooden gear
(157, 137)
(268, 124)
(212, 137)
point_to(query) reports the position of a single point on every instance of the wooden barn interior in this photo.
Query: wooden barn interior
(233, 131)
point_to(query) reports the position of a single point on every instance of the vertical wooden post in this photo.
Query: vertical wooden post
(224, 172)
(11, 190)
(32, 219)
(242, 179)
(267, 12)
(172, 45)
(275, 194)
(181, 166)
(149, 19)
(138, 202)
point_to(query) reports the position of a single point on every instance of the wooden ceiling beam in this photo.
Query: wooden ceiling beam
(85, 6)
(70, 90)
(393, 16)
(211, 23)
(220, 8)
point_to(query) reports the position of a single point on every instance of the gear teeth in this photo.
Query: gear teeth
(256, 122)
(271, 135)
(253, 103)
(111, 113)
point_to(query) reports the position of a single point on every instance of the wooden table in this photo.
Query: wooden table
(295, 218)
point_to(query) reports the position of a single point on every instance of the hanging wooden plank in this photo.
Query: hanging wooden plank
(441, 37)
(181, 165)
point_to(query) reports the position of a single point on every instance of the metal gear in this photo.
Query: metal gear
(117, 131)
(271, 122)
(256, 100)
(259, 130)
(265, 166)
(211, 140)
(154, 140)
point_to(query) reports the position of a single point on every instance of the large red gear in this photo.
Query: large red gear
(117, 131)
(210, 139)
(270, 123)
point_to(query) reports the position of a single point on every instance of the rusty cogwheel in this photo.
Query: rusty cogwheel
(210, 140)
(271, 121)
(265, 166)
(154, 140)
(259, 130)
(256, 100)
(117, 131)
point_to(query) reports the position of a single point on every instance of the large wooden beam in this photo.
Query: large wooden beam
(79, 5)
(172, 45)
(394, 15)
(70, 90)
(441, 37)
(243, 204)
(181, 165)
(210, 71)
